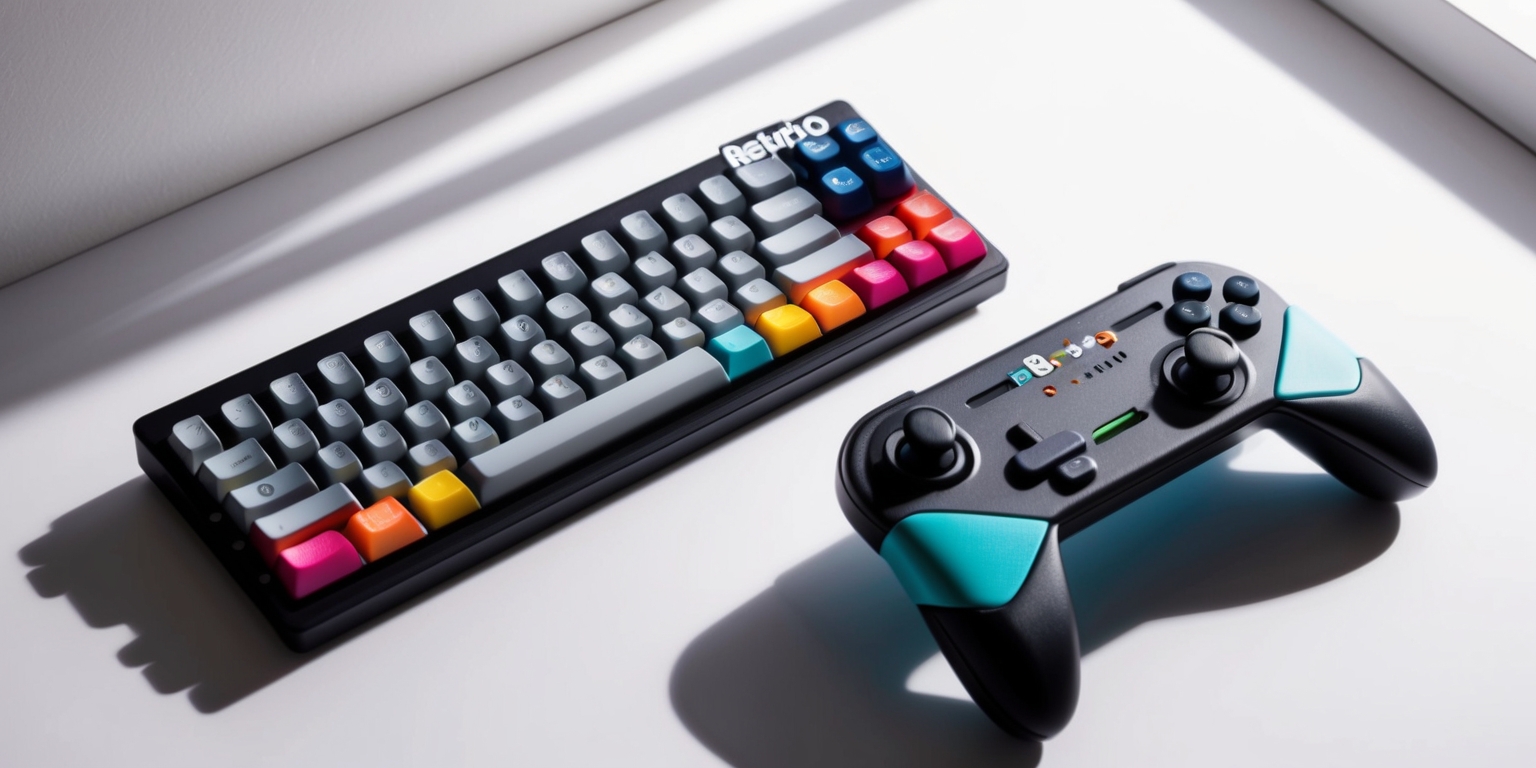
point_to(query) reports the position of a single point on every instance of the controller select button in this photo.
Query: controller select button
(1240, 289)
(1241, 320)
(1186, 316)
(1192, 285)
(1076, 473)
(1032, 463)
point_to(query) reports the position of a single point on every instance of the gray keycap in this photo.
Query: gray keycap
(529, 457)
(691, 252)
(380, 441)
(338, 464)
(466, 401)
(797, 242)
(757, 297)
(246, 418)
(679, 336)
(603, 253)
(429, 458)
(548, 359)
(588, 340)
(600, 374)
(473, 437)
(559, 394)
(683, 215)
(836, 259)
(717, 317)
(730, 234)
(385, 355)
(431, 335)
(241, 465)
(611, 290)
(384, 400)
(508, 379)
(565, 312)
(520, 295)
(639, 355)
(423, 422)
(338, 421)
(721, 198)
(430, 378)
(474, 356)
(652, 271)
(642, 233)
(783, 211)
(385, 479)
(194, 441)
(520, 334)
(293, 397)
(516, 415)
(279, 490)
(339, 377)
(299, 516)
(738, 269)
(700, 287)
(563, 274)
(295, 441)
(664, 304)
(627, 322)
(475, 314)
(764, 178)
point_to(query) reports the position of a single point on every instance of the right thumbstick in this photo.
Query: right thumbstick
(1206, 371)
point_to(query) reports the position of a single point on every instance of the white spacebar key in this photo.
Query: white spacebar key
(593, 424)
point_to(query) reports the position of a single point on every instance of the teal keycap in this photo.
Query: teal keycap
(740, 351)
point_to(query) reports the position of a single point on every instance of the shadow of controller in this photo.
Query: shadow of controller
(814, 671)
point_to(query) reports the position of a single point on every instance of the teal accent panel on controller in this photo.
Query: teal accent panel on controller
(1314, 362)
(962, 559)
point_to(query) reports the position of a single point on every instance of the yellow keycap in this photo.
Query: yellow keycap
(441, 499)
(787, 328)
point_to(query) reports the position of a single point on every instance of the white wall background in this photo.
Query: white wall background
(113, 114)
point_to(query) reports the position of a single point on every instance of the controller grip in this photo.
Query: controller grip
(1370, 439)
(1019, 661)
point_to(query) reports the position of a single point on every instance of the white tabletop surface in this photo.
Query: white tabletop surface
(1253, 613)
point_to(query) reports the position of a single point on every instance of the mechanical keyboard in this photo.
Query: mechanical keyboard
(357, 470)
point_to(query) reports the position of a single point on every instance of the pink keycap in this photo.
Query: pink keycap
(957, 242)
(317, 563)
(919, 262)
(876, 283)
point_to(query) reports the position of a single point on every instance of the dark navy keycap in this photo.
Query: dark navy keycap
(1240, 289)
(856, 135)
(1241, 320)
(818, 153)
(886, 173)
(1186, 316)
(844, 194)
(1191, 285)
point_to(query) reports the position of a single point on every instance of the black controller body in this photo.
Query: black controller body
(967, 488)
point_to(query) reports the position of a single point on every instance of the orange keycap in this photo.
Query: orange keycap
(382, 529)
(922, 212)
(883, 234)
(786, 329)
(832, 304)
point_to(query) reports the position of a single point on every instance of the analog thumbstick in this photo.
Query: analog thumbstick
(927, 447)
(1207, 368)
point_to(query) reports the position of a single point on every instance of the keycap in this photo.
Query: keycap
(786, 329)
(245, 418)
(845, 194)
(797, 242)
(548, 359)
(683, 215)
(738, 269)
(610, 290)
(918, 262)
(652, 271)
(520, 295)
(884, 234)
(818, 153)
(877, 283)
(559, 394)
(783, 211)
(589, 340)
(295, 442)
(441, 499)
(429, 458)
(664, 304)
(338, 464)
(430, 335)
(386, 358)
(383, 480)
(678, 336)
(922, 212)
(691, 252)
(533, 455)
(829, 263)
(888, 175)
(721, 198)
(700, 287)
(424, 422)
(626, 322)
(520, 334)
(474, 356)
(739, 351)
(464, 400)
(642, 233)
(603, 254)
(194, 441)
(430, 378)
(293, 397)
(832, 304)
(383, 400)
(508, 379)
(757, 297)
(276, 491)
(324, 511)
(600, 374)
(856, 133)
(475, 314)
(764, 178)
(339, 421)
(381, 442)
(382, 529)
(562, 273)
(729, 233)
(717, 317)
(313, 565)
(474, 436)
(565, 312)
(639, 355)
(241, 465)
(516, 415)
(958, 243)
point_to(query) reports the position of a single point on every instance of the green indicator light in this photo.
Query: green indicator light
(1117, 425)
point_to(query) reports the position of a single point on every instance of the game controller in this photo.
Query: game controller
(966, 489)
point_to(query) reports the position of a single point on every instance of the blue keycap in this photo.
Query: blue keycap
(856, 134)
(885, 171)
(739, 350)
(844, 194)
(818, 153)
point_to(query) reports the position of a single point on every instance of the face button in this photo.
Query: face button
(1076, 473)
(927, 447)
(1192, 285)
(1186, 316)
(1241, 290)
(1033, 463)
(1240, 320)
